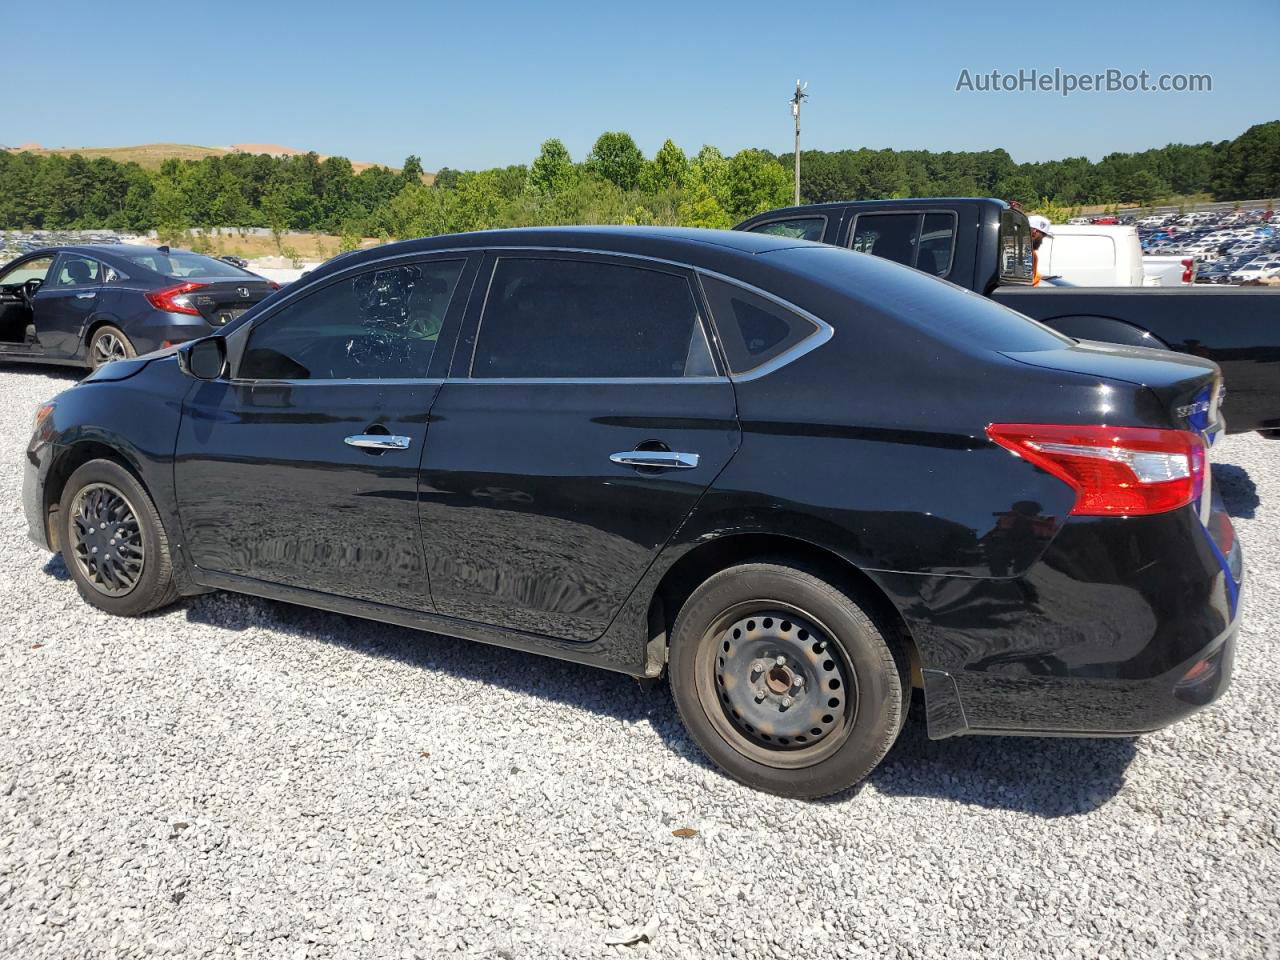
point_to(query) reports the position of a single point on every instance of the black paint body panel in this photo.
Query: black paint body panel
(507, 522)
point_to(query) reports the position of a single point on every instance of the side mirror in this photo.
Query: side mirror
(207, 358)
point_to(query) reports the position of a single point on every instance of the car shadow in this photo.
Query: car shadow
(1238, 491)
(1041, 776)
(53, 372)
(1047, 777)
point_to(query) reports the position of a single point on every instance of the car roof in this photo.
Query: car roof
(811, 208)
(689, 245)
(98, 250)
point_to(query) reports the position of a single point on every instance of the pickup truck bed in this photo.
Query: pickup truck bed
(984, 245)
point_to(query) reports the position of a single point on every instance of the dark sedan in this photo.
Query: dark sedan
(795, 478)
(89, 305)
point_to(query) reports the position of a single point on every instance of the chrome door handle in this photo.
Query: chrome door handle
(85, 296)
(378, 441)
(665, 459)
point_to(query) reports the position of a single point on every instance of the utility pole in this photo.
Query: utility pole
(799, 97)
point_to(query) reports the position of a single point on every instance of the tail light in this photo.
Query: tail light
(1115, 471)
(175, 299)
(1186, 270)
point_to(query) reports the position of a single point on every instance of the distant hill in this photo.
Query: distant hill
(151, 155)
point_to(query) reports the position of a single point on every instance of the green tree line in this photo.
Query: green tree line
(614, 183)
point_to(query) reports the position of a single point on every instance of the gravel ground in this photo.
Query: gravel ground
(241, 778)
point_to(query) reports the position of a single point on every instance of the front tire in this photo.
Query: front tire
(108, 344)
(785, 680)
(112, 541)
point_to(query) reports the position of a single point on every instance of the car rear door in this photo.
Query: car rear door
(64, 303)
(583, 418)
(301, 469)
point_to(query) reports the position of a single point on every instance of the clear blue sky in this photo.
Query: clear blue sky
(473, 85)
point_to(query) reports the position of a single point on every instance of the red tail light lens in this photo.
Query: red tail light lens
(175, 299)
(1186, 270)
(1115, 471)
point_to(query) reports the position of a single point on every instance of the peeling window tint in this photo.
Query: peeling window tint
(382, 324)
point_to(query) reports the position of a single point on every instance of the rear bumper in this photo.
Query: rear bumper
(1078, 706)
(1124, 626)
(156, 330)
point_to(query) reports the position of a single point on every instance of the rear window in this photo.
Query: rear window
(927, 302)
(182, 265)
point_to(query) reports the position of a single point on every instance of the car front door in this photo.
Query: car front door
(17, 283)
(301, 468)
(65, 302)
(583, 418)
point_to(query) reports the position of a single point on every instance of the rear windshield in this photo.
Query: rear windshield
(927, 302)
(180, 265)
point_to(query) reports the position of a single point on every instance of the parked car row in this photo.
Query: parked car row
(795, 479)
(87, 305)
(1229, 247)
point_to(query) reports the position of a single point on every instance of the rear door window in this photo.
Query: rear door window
(925, 240)
(75, 270)
(588, 319)
(797, 228)
(754, 330)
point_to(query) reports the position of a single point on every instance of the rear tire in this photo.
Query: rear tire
(785, 680)
(109, 343)
(113, 543)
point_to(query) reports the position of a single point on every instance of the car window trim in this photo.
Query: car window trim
(820, 336)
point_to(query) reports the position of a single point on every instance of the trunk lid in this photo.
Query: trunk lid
(1187, 389)
(221, 301)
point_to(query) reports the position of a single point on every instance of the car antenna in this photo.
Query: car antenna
(163, 248)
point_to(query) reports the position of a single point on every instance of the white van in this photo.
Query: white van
(1102, 255)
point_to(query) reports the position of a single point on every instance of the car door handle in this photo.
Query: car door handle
(664, 459)
(378, 441)
(85, 296)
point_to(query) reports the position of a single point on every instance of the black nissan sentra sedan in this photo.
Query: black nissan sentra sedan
(798, 479)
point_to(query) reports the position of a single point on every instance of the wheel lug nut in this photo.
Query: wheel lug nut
(798, 681)
(780, 660)
(787, 701)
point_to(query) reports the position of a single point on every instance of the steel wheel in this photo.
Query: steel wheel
(107, 346)
(109, 544)
(776, 685)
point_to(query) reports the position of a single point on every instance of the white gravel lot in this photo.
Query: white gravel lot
(240, 778)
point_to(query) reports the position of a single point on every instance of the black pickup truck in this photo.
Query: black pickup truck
(985, 246)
